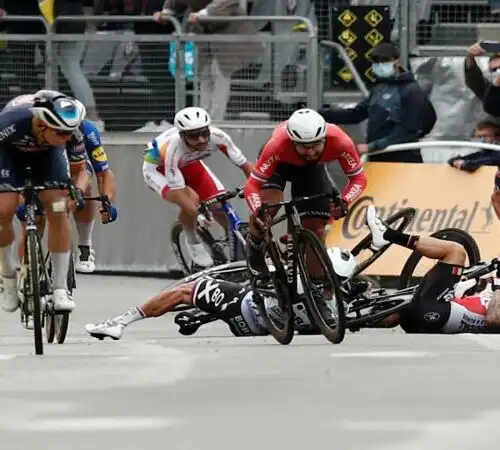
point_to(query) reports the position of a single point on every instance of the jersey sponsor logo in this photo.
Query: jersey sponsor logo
(264, 167)
(432, 317)
(254, 201)
(7, 131)
(93, 138)
(240, 326)
(349, 159)
(99, 154)
(210, 292)
(353, 193)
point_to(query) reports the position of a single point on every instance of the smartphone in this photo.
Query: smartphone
(490, 46)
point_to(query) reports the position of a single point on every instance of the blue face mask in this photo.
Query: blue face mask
(384, 69)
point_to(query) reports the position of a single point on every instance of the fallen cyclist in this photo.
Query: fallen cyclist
(442, 303)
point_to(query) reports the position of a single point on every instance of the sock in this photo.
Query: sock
(191, 236)
(132, 315)
(85, 233)
(399, 238)
(60, 264)
(7, 263)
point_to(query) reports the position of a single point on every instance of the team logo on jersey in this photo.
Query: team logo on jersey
(99, 155)
(432, 317)
(7, 131)
(210, 292)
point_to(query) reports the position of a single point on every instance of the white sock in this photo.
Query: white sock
(132, 315)
(7, 263)
(60, 264)
(85, 233)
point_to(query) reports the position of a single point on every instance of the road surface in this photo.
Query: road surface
(155, 389)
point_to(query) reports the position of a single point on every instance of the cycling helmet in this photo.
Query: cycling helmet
(343, 261)
(306, 126)
(57, 110)
(192, 118)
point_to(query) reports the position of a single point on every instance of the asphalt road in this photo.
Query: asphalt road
(155, 389)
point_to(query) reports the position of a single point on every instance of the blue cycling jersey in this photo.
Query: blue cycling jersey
(94, 148)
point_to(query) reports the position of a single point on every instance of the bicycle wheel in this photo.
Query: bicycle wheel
(328, 316)
(402, 218)
(181, 253)
(276, 310)
(449, 234)
(33, 256)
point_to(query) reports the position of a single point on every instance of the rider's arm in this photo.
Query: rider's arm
(226, 145)
(265, 166)
(106, 183)
(353, 168)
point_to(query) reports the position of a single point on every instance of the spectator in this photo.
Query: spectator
(154, 57)
(69, 53)
(216, 60)
(397, 109)
(487, 132)
(475, 79)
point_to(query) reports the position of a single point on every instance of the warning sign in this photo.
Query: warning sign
(347, 37)
(347, 18)
(374, 18)
(359, 29)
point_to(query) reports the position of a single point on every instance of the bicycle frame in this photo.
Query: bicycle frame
(234, 234)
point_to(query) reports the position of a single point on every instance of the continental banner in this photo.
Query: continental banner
(443, 197)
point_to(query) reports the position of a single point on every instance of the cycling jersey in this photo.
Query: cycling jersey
(169, 152)
(88, 139)
(280, 149)
(234, 305)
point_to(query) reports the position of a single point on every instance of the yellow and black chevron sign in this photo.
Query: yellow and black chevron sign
(359, 29)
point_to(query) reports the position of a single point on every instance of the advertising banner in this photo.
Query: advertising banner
(444, 197)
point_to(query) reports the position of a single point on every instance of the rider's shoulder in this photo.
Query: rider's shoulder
(333, 130)
(170, 135)
(217, 134)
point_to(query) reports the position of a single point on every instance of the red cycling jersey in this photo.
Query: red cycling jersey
(281, 149)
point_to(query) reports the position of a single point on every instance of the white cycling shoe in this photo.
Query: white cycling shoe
(377, 228)
(199, 255)
(62, 301)
(110, 328)
(9, 298)
(85, 262)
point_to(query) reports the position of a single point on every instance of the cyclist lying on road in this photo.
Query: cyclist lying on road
(439, 305)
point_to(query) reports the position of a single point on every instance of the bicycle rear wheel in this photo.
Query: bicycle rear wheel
(276, 310)
(180, 251)
(329, 315)
(402, 219)
(449, 234)
(33, 257)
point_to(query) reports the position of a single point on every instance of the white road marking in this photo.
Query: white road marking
(388, 354)
(7, 357)
(93, 423)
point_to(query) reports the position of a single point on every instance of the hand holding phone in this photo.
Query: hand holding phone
(490, 46)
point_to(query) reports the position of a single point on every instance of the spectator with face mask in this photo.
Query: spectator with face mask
(487, 132)
(395, 109)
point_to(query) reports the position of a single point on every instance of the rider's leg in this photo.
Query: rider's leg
(155, 307)
(495, 200)
(84, 221)
(446, 251)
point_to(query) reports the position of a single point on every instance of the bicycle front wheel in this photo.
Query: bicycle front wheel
(34, 262)
(321, 287)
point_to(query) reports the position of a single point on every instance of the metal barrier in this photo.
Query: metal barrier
(137, 80)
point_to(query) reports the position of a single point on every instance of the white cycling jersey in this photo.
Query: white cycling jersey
(168, 153)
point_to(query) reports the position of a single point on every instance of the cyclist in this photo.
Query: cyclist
(36, 135)
(173, 168)
(298, 152)
(443, 303)
(230, 302)
(89, 137)
(85, 143)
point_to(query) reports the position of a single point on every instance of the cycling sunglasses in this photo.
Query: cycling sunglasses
(204, 133)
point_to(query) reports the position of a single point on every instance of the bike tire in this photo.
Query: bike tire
(448, 234)
(284, 332)
(407, 214)
(183, 260)
(334, 334)
(33, 257)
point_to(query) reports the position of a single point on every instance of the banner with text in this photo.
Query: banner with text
(443, 197)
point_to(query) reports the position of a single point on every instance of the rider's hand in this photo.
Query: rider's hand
(475, 50)
(76, 202)
(261, 222)
(338, 211)
(109, 214)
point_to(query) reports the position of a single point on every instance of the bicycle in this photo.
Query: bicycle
(34, 282)
(229, 248)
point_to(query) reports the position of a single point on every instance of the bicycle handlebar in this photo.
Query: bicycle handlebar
(223, 197)
(484, 270)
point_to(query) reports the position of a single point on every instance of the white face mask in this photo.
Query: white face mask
(492, 75)
(384, 69)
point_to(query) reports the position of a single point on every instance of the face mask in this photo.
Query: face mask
(384, 69)
(492, 75)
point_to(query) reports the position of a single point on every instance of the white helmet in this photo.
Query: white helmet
(305, 126)
(57, 110)
(343, 261)
(192, 118)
